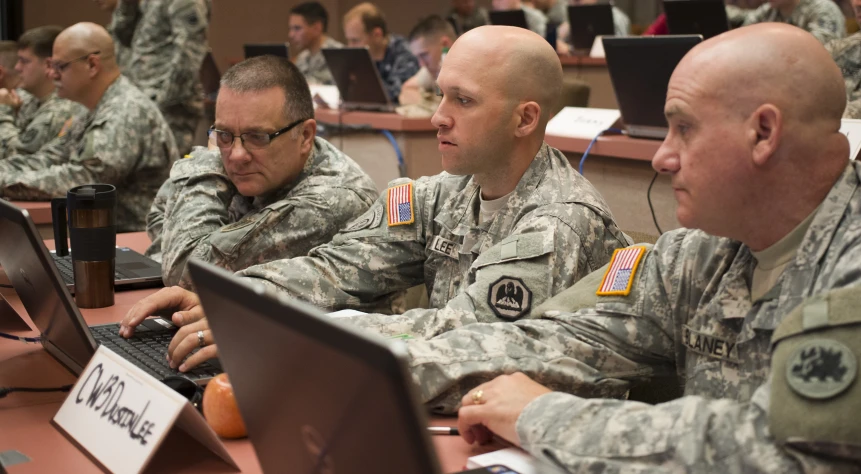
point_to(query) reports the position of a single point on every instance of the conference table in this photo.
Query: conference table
(376, 139)
(25, 418)
(592, 71)
(620, 168)
(40, 212)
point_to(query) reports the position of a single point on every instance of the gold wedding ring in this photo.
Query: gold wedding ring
(200, 341)
(477, 397)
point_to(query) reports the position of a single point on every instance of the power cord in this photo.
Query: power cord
(20, 338)
(651, 207)
(402, 167)
(592, 143)
(6, 286)
(7, 390)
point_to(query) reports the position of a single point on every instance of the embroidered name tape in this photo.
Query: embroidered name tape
(620, 273)
(400, 208)
(445, 247)
(710, 345)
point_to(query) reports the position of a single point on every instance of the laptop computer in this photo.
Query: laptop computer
(316, 395)
(64, 333)
(358, 79)
(508, 18)
(274, 49)
(588, 21)
(131, 270)
(640, 70)
(696, 17)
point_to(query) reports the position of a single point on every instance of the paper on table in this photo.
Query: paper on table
(515, 459)
(580, 122)
(328, 96)
(345, 313)
(852, 129)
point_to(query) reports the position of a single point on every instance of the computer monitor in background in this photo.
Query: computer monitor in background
(274, 49)
(588, 21)
(11, 19)
(696, 17)
(509, 18)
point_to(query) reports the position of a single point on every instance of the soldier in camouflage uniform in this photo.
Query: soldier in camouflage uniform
(309, 22)
(822, 18)
(488, 247)
(165, 43)
(365, 26)
(702, 309)
(42, 116)
(124, 140)
(847, 54)
(201, 212)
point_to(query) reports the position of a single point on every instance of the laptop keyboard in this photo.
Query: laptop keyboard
(64, 264)
(147, 350)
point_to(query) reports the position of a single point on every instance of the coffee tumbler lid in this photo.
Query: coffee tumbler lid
(93, 196)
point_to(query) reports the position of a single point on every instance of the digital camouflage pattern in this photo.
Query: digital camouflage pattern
(163, 46)
(397, 66)
(690, 318)
(199, 213)
(314, 67)
(822, 18)
(124, 141)
(535, 20)
(36, 123)
(847, 54)
(554, 229)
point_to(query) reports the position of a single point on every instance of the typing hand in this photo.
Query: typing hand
(493, 408)
(186, 304)
(186, 340)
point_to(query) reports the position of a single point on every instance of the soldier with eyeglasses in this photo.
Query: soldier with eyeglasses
(263, 190)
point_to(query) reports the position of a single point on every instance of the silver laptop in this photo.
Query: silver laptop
(640, 69)
(272, 49)
(64, 333)
(316, 395)
(358, 79)
(131, 270)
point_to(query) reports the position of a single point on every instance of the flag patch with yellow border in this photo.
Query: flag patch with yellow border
(400, 208)
(620, 273)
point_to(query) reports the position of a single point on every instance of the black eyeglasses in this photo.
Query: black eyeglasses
(59, 67)
(250, 140)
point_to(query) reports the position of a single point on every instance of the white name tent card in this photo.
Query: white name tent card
(852, 129)
(597, 50)
(582, 122)
(325, 96)
(120, 415)
(515, 459)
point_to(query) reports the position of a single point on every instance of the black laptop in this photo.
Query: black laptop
(588, 21)
(358, 79)
(131, 270)
(509, 18)
(273, 49)
(640, 70)
(696, 17)
(64, 333)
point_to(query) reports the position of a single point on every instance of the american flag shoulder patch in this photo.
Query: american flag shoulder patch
(400, 205)
(620, 272)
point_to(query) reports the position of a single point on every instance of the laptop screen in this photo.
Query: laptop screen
(589, 21)
(356, 76)
(276, 49)
(640, 69)
(315, 395)
(696, 17)
(508, 18)
(32, 272)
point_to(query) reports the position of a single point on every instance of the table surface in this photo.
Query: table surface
(25, 417)
(40, 211)
(375, 120)
(616, 146)
(582, 61)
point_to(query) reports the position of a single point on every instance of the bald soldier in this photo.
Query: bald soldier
(123, 140)
(707, 303)
(508, 225)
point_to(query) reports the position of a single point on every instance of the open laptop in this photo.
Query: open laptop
(316, 395)
(588, 21)
(274, 49)
(696, 17)
(509, 18)
(65, 335)
(131, 270)
(640, 69)
(357, 79)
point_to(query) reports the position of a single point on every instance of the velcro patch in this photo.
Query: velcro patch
(821, 369)
(509, 298)
(400, 205)
(709, 345)
(445, 247)
(620, 273)
(368, 220)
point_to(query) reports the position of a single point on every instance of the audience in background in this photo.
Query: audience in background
(621, 23)
(309, 23)
(464, 16)
(822, 18)
(847, 54)
(535, 20)
(429, 42)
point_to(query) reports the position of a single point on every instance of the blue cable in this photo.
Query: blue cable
(19, 338)
(592, 143)
(401, 165)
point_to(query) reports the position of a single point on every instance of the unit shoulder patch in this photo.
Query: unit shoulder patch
(370, 219)
(620, 273)
(509, 298)
(821, 369)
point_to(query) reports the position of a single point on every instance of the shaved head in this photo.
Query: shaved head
(515, 61)
(83, 63)
(83, 38)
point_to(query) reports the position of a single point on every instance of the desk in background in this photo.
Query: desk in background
(40, 212)
(620, 168)
(594, 72)
(363, 140)
(25, 417)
